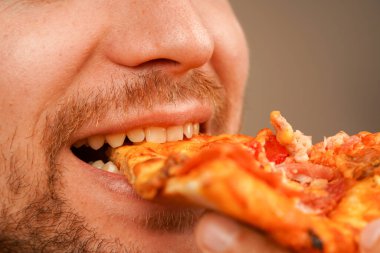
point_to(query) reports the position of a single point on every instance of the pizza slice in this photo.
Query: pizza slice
(308, 198)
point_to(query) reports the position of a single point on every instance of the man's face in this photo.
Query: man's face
(76, 71)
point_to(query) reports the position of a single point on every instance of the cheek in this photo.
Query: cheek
(41, 50)
(231, 61)
(230, 58)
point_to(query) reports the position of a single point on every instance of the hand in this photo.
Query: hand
(370, 238)
(219, 234)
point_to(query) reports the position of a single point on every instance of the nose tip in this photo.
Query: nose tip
(175, 37)
(197, 51)
(185, 49)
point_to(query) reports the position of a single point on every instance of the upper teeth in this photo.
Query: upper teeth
(115, 140)
(150, 134)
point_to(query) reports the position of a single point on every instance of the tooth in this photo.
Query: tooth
(98, 164)
(155, 134)
(136, 135)
(188, 130)
(80, 143)
(96, 142)
(174, 133)
(110, 167)
(115, 140)
(196, 128)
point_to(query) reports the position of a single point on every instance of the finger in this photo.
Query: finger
(218, 234)
(370, 238)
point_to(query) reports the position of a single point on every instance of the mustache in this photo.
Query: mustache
(146, 90)
(124, 93)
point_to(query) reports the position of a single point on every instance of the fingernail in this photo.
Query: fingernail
(370, 237)
(219, 234)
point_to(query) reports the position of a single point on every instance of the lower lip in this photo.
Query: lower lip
(114, 183)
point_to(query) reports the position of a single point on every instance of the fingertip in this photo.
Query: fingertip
(370, 238)
(216, 233)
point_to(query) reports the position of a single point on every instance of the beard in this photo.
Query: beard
(34, 214)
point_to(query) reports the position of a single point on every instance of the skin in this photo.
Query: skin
(74, 69)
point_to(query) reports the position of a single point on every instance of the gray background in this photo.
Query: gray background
(316, 61)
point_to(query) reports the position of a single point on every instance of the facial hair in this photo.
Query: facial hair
(44, 221)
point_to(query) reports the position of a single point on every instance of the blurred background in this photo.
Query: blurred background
(318, 62)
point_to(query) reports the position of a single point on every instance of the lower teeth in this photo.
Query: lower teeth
(98, 164)
(109, 166)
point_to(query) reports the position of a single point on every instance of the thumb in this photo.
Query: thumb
(218, 234)
(370, 238)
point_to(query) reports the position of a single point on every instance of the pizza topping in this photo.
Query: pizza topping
(322, 186)
(275, 152)
(319, 184)
(322, 201)
(314, 171)
(258, 152)
(302, 179)
(295, 142)
(283, 128)
(300, 147)
(356, 157)
(337, 140)
(244, 159)
(258, 148)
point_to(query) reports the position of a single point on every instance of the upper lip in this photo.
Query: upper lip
(164, 116)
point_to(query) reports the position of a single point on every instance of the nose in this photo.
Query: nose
(150, 32)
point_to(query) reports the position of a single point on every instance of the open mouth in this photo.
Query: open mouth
(93, 150)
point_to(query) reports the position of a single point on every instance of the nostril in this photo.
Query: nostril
(157, 63)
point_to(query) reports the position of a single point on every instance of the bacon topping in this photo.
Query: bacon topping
(323, 186)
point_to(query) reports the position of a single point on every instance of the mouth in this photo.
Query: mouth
(99, 185)
(85, 156)
(93, 149)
